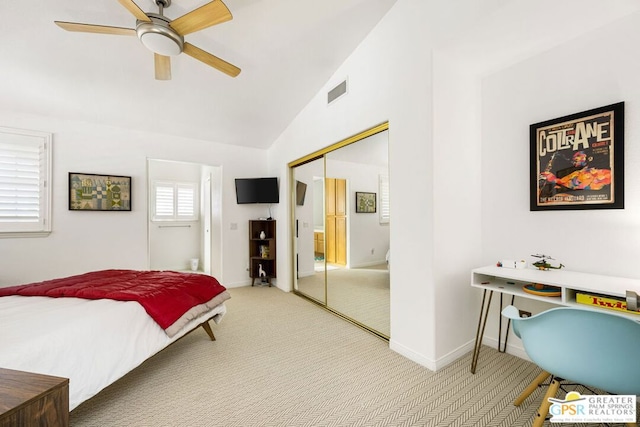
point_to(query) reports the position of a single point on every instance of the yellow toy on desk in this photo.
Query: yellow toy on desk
(542, 290)
(602, 301)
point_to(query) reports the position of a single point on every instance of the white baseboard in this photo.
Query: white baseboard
(412, 355)
(454, 355)
(257, 284)
(237, 284)
(514, 350)
(367, 264)
(306, 273)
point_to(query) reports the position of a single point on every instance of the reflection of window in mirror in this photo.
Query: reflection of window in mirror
(383, 185)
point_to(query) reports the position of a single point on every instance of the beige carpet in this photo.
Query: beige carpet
(282, 361)
(359, 293)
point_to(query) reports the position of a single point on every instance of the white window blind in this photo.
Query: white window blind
(384, 199)
(185, 203)
(25, 175)
(164, 201)
(175, 201)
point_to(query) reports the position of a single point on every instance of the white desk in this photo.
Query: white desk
(510, 281)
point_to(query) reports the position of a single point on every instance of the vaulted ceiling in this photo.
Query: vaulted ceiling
(286, 49)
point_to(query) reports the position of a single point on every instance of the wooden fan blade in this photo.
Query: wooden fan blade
(211, 60)
(215, 12)
(134, 9)
(90, 28)
(163, 66)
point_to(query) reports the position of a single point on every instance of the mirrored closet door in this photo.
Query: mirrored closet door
(340, 208)
(309, 231)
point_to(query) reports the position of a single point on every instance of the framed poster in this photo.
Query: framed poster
(90, 192)
(577, 161)
(365, 202)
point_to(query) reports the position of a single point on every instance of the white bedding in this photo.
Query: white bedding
(91, 342)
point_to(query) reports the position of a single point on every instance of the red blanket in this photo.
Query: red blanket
(165, 295)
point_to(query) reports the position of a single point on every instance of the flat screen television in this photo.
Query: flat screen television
(257, 190)
(301, 191)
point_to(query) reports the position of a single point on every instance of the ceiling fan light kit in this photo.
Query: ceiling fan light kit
(157, 36)
(165, 37)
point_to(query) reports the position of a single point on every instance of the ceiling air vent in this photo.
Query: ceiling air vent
(337, 92)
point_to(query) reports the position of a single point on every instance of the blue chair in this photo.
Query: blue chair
(593, 348)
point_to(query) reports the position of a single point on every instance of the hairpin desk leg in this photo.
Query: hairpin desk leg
(502, 349)
(482, 322)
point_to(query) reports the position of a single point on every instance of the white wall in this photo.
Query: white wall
(84, 241)
(587, 72)
(318, 202)
(457, 198)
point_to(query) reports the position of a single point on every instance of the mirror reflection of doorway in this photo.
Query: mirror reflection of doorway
(309, 241)
(335, 221)
(342, 255)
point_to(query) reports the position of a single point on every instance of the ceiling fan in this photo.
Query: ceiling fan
(165, 37)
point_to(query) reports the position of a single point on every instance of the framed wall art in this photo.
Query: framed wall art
(365, 202)
(91, 192)
(577, 161)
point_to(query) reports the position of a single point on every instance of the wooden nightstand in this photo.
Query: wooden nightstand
(28, 399)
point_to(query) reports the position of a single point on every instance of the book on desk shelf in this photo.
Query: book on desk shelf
(603, 301)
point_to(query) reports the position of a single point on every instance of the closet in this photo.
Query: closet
(339, 251)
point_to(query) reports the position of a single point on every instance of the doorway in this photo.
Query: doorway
(184, 216)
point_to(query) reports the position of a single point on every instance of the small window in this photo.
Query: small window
(25, 177)
(174, 201)
(384, 199)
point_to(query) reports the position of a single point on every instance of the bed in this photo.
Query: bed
(96, 327)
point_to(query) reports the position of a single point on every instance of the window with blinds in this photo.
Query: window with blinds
(25, 176)
(384, 204)
(175, 201)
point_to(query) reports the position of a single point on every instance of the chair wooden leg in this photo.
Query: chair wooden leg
(544, 406)
(533, 386)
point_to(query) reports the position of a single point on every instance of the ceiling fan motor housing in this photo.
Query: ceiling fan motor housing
(165, 36)
(157, 36)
